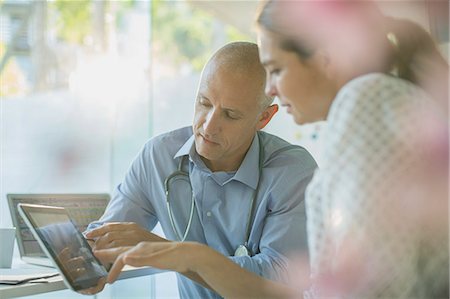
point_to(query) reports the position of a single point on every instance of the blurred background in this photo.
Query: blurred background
(84, 84)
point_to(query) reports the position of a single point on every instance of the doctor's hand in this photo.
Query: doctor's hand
(175, 256)
(119, 234)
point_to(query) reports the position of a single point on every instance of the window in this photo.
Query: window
(84, 84)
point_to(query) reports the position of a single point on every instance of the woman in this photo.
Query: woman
(368, 76)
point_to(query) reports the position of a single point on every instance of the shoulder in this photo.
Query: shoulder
(280, 153)
(373, 99)
(158, 152)
(373, 116)
(376, 82)
(374, 91)
(169, 141)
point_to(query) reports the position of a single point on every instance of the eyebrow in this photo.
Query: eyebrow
(230, 110)
(200, 95)
(237, 112)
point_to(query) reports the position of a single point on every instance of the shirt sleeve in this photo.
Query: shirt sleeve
(130, 201)
(283, 233)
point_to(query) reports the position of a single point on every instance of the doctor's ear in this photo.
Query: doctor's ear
(267, 115)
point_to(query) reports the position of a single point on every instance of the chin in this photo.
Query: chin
(302, 120)
(200, 150)
(299, 120)
(203, 151)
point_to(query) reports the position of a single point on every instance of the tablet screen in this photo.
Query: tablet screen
(66, 245)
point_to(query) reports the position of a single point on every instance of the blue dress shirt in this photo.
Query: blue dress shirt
(222, 201)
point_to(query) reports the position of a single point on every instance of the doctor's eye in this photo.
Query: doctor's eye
(231, 116)
(203, 102)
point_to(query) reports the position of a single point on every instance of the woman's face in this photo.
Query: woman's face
(301, 85)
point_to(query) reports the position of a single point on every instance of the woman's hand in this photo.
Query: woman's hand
(174, 256)
(197, 262)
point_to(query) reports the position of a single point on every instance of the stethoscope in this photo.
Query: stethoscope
(241, 250)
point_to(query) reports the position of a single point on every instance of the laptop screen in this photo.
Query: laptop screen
(82, 208)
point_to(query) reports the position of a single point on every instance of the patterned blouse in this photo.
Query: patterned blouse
(365, 204)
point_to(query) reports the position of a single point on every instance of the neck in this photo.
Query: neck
(227, 166)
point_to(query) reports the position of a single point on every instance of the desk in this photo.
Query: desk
(54, 284)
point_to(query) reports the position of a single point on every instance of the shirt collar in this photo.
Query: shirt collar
(186, 148)
(248, 172)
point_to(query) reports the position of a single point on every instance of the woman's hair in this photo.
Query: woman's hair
(267, 18)
(405, 48)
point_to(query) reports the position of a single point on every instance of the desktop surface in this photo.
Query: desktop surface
(54, 284)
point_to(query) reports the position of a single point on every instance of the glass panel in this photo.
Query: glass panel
(74, 94)
(184, 37)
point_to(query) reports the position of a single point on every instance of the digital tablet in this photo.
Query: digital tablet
(64, 245)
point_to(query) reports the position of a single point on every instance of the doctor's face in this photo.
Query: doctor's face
(227, 111)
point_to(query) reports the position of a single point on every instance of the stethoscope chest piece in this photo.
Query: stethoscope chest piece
(241, 251)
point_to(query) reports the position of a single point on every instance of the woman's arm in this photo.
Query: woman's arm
(217, 271)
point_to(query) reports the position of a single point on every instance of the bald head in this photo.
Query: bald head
(231, 106)
(241, 59)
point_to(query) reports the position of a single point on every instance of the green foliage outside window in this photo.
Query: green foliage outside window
(184, 33)
(179, 32)
(73, 22)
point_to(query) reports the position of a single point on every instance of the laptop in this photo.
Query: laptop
(82, 209)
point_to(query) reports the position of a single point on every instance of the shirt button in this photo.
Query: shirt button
(208, 214)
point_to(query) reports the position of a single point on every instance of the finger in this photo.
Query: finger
(94, 290)
(109, 227)
(108, 240)
(91, 242)
(115, 270)
(111, 239)
(99, 231)
(138, 261)
(110, 255)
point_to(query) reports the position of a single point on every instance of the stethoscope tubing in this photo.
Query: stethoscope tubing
(180, 172)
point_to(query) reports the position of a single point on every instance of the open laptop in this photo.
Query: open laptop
(82, 208)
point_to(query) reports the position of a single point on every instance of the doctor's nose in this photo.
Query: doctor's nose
(212, 125)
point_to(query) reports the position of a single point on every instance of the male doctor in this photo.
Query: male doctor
(242, 191)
